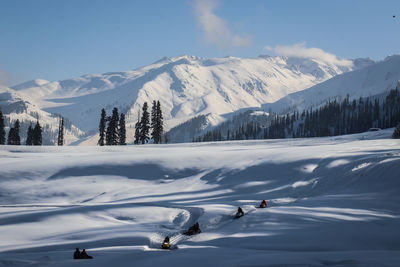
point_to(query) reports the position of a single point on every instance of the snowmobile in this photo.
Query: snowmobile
(193, 230)
(166, 244)
(263, 204)
(84, 255)
(239, 213)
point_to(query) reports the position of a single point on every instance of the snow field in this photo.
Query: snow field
(331, 202)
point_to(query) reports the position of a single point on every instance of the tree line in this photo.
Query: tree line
(34, 133)
(338, 118)
(333, 118)
(112, 129)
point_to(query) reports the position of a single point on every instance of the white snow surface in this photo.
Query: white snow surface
(332, 201)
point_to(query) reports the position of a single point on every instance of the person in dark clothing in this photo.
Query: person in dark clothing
(166, 244)
(84, 255)
(166, 240)
(77, 254)
(194, 229)
(263, 204)
(239, 213)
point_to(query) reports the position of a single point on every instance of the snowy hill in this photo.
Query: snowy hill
(372, 80)
(14, 106)
(186, 86)
(331, 202)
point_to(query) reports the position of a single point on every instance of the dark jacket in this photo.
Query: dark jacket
(77, 254)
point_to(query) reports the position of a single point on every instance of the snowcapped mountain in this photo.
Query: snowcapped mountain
(186, 86)
(14, 106)
(372, 80)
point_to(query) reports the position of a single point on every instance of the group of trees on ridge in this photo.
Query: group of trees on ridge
(112, 129)
(333, 118)
(34, 134)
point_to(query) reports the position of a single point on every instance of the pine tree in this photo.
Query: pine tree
(29, 138)
(122, 130)
(17, 139)
(160, 127)
(112, 129)
(156, 122)
(144, 124)
(2, 130)
(60, 139)
(37, 134)
(396, 133)
(13, 135)
(137, 131)
(102, 128)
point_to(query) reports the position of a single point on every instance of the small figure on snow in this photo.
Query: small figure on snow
(84, 255)
(239, 213)
(263, 204)
(77, 254)
(195, 229)
(166, 244)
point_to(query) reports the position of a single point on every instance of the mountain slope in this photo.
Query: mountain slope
(14, 106)
(369, 81)
(186, 86)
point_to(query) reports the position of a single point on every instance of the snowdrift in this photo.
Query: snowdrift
(331, 201)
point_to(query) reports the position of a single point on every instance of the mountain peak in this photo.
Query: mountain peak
(30, 84)
(177, 58)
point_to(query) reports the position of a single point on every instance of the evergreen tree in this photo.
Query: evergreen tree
(137, 131)
(13, 135)
(102, 128)
(144, 124)
(122, 130)
(156, 122)
(29, 138)
(160, 122)
(396, 133)
(2, 130)
(60, 139)
(17, 139)
(37, 134)
(112, 138)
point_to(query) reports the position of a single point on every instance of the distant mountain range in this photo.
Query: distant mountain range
(189, 86)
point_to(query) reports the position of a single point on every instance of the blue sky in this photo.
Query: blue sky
(54, 39)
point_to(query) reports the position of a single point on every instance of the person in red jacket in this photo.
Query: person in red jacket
(84, 255)
(263, 204)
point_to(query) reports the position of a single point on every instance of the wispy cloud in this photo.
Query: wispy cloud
(4, 78)
(215, 29)
(301, 51)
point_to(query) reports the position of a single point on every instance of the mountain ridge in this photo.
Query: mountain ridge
(187, 86)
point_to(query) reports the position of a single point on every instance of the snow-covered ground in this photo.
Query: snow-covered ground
(332, 202)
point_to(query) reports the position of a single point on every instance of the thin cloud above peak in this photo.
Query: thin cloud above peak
(215, 29)
(4, 78)
(301, 51)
